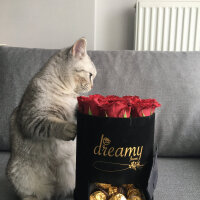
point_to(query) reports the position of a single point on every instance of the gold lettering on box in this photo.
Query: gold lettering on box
(105, 149)
(110, 151)
(119, 152)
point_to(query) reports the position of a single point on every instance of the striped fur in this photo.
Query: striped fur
(43, 126)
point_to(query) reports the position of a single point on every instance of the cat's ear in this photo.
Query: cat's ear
(79, 48)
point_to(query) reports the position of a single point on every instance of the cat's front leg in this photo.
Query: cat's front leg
(69, 131)
(63, 130)
(50, 127)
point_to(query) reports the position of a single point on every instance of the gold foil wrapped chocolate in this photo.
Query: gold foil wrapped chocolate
(98, 195)
(128, 186)
(118, 197)
(134, 194)
(112, 190)
(103, 185)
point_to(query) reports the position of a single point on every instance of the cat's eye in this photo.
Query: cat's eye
(90, 75)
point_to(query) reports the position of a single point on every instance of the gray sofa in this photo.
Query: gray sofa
(172, 78)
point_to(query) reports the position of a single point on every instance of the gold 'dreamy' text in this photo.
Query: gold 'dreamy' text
(104, 149)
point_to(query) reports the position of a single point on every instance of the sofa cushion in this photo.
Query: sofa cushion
(178, 178)
(17, 67)
(173, 78)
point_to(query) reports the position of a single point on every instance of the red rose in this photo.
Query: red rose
(83, 104)
(112, 98)
(89, 105)
(114, 106)
(119, 109)
(94, 102)
(131, 99)
(145, 107)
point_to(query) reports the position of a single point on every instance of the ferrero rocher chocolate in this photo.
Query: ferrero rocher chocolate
(128, 186)
(134, 194)
(109, 192)
(112, 190)
(118, 197)
(98, 195)
(103, 185)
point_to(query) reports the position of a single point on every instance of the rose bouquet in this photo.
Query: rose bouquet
(114, 106)
(116, 158)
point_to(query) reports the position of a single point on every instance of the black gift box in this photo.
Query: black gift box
(115, 151)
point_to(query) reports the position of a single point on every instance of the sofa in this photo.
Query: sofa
(173, 78)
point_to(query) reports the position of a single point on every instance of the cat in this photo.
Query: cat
(43, 126)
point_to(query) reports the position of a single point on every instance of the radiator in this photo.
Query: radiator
(167, 25)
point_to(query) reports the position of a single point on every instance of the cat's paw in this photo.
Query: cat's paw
(70, 131)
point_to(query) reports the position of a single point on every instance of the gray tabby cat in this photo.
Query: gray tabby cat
(43, 126)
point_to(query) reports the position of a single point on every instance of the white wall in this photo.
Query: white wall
(107, 24)
(46, 23)
(114, 24)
